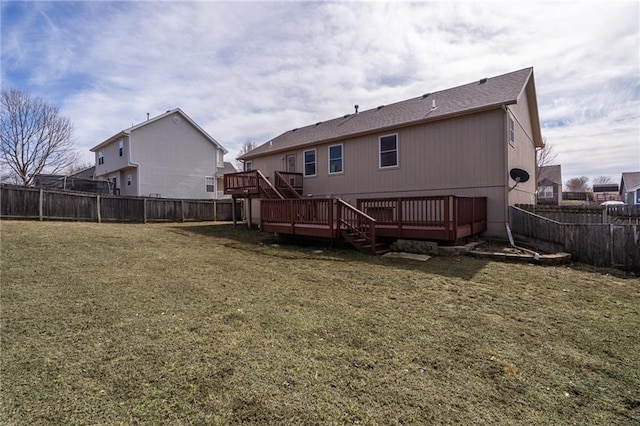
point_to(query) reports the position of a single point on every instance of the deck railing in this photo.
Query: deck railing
(447, 213)
(303, 211)
(241, 183)
(249, 183)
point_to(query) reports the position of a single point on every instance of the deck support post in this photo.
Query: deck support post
(233, 210)
(250, 213)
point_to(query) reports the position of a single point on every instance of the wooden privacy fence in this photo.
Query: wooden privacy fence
(580, 214)
(18, 202)
(597, 244)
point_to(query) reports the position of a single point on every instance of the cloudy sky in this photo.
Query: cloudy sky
(252, 70)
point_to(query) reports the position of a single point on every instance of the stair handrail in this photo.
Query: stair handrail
(280, 180)
(262, 179)
(369, 223)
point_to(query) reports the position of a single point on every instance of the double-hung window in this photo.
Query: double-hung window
(248, 165)
(100, 157)
(120, 147)
(310, 162)
(210, 183)
(389, 151)
(335, 159)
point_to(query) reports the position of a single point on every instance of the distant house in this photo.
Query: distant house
(630, 188)
(606, 192)
(165, 156)
(462, 141)
(550, 185)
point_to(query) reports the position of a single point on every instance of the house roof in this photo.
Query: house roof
(126, 132)
(551, 174)
(630, 181)
(228, 168)
(480, 95)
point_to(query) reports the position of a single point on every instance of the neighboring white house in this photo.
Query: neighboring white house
(630, 188)
(166, 156)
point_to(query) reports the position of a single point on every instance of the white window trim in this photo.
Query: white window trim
(100, 157)
(341, 159)
(380, 166)
(248, 166)
(206, 184)
(304, 162)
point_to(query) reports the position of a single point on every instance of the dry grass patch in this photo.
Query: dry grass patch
(206, 324)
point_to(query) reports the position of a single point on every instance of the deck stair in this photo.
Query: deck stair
(287, 184)
(364, 245)
(267, 190)
(359, 229)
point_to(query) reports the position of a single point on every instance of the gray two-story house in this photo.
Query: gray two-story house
(166, 156)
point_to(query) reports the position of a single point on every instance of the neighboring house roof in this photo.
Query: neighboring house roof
(85, 173)
(228, 168)
(126, 132)
(630, 181)
(481, 95)
(551, 174)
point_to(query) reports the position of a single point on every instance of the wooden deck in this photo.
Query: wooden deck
(445, 218)
(283, 210)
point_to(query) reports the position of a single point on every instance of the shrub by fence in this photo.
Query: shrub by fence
(18, 202)
(597, 244)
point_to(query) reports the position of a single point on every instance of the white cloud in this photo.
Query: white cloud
(249, 71)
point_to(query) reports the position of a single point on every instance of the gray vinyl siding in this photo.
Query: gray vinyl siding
(173, 159)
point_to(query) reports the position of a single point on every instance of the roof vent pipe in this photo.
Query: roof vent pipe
(356, 107)
(433, 104)
(147, 116)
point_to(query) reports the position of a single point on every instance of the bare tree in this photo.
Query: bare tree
(249, 145)
(545, 156)
(600, 180)
(34, 137)
(78, 167)
(579, 184)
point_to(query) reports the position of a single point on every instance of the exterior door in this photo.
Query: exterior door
(291, 163)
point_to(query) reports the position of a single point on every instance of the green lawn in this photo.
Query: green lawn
(207, 324)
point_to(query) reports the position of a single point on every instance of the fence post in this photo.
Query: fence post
(40, 206)
(215, 210)
(144, 210)
(98, 208)
(181, 210)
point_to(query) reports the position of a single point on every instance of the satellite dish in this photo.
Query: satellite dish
(519, 175)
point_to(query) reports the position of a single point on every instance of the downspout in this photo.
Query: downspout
(536, 255)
